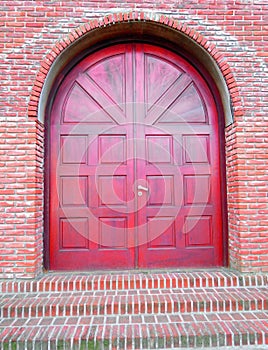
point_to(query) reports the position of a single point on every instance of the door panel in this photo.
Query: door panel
(134, 164)
(92, 165)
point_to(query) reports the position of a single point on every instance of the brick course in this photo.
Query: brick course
(34, 33)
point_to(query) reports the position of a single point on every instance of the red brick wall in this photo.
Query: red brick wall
(28, 32)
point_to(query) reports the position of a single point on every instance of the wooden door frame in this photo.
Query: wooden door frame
(194, 61)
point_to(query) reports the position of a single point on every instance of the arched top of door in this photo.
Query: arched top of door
(117, 28)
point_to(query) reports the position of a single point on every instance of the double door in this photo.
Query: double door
(134, 164)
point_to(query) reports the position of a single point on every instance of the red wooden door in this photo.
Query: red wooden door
(134, 164)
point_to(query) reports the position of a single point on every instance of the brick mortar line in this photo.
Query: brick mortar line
(133, 291)
(175, 318)
(233, 291)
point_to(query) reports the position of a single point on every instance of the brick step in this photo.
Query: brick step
(148, 332)
(134, 311)
(133, 281)
(134, 302)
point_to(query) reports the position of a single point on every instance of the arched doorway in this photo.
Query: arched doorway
(135, 166)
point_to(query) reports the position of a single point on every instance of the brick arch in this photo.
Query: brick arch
(228, 89)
